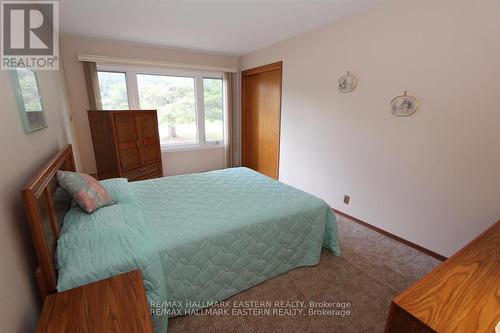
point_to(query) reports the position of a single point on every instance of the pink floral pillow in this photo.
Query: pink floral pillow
(86, 190)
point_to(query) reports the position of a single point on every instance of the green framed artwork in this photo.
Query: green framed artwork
(29, 99)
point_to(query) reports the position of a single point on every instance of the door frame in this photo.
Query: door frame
(253, 71)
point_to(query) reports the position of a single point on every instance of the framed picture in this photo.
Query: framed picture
(29, 99)
(347, 83)
(404, 105)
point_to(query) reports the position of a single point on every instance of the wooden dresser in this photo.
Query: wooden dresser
(117, 304)
(126, 144)
(460, 295)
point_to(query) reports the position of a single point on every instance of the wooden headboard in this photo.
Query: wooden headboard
(44, 216)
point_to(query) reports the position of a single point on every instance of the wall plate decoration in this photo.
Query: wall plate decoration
(347, 82)
(404, 105)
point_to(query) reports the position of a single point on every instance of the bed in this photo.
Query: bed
(197, 239)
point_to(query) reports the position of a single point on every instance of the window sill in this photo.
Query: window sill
(179, 148)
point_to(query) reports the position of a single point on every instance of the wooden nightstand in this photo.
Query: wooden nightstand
(117, 304)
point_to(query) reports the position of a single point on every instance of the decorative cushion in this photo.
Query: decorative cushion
(85, 189)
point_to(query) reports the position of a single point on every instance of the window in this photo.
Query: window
(174, 98)
(214, 111)
(190, 104)
(113, 87)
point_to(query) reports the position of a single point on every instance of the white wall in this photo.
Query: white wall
(193, 160)
(174, 162)
(432, 178)
(22, 156)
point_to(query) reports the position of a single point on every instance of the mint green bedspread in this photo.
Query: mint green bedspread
(200, 238)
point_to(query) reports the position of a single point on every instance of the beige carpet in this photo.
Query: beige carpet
(371, 270)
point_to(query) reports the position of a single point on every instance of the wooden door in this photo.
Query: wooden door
(261, 114)
(147, 125)
(127, 138)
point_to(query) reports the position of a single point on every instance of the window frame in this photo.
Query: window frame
(131, 73)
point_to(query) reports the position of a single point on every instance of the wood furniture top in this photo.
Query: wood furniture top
(460, 295)
(117, 304)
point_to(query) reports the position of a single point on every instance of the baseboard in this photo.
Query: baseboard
(392, 236)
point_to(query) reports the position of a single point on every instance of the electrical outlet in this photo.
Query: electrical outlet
(346, 199)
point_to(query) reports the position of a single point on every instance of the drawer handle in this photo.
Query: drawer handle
(142, 169)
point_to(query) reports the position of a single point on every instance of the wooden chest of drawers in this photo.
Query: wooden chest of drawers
(145, 172)
(126, 144)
